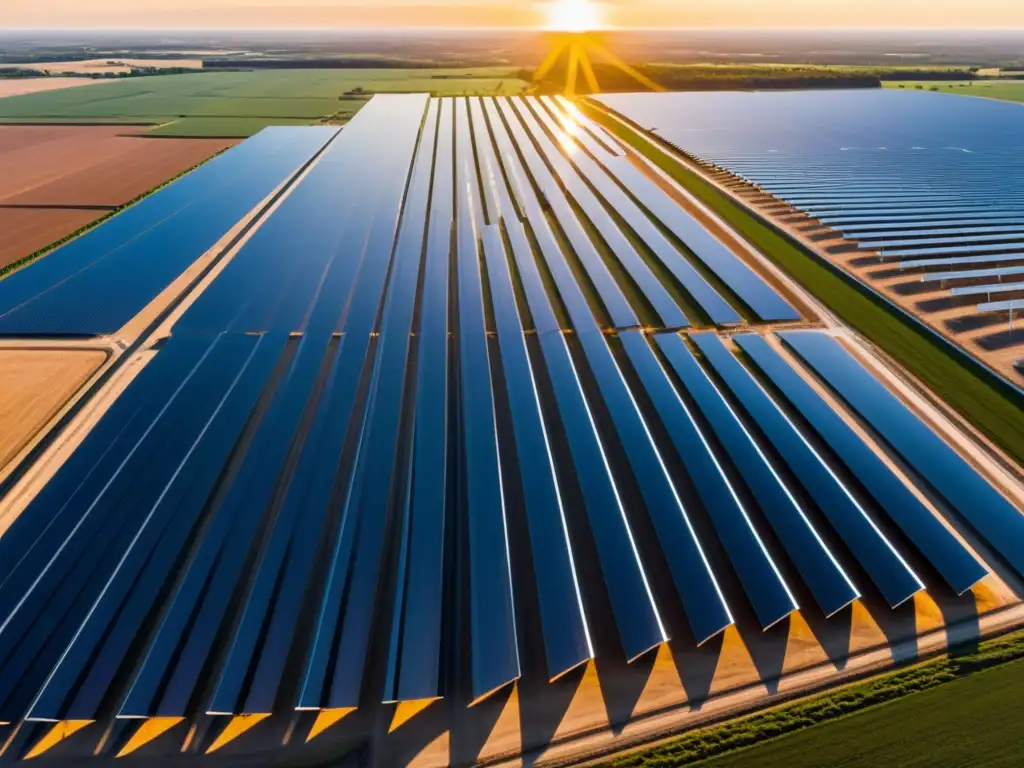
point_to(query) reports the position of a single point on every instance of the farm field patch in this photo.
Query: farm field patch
(968, 722)
(68, 167)
(274, 97)
(222, 127)
(35, 385)
(112, 65)
(28, 231)
(25, 85)
(56, 179)
(1003, 90)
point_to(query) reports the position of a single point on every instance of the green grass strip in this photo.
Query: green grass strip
(986, 401)
(26, 260)
(738, 734)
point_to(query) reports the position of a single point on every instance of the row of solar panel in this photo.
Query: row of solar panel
(93, 560)
(899, 199)
(95, 284)
(247, 495)
(921, 127)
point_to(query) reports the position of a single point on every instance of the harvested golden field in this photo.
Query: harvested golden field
(35, 386)
(114, 65)
(22, 85)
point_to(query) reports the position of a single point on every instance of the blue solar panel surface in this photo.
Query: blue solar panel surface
(861, 161)
(981, 505)
(402, 448)
(95, 284)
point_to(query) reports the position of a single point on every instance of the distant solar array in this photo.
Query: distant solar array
(418, 398)
(911, 176)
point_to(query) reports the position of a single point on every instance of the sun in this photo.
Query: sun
(573, 16)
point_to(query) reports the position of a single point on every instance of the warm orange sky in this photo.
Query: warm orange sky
(506, 13)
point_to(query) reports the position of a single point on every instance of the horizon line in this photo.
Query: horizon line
(323, 28)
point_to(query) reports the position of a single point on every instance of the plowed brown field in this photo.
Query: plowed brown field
(56, 179)
(28, 230)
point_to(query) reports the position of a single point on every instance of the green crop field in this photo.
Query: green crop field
(958, 709)
(240, 103)
(1004, 90)
(971, 722)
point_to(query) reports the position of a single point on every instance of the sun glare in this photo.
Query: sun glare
(573, 16)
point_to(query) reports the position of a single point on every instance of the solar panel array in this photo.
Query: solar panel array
(928, 180)
(98, 282)
(418, 405)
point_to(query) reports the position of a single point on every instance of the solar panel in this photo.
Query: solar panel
(343, 631)
(240, 368)
(668, 312)
(972, 274)
(415, 657)
(1010, 238)
(54, 563)
(637, 621)
(982, 290)
(619, 311)
(566, 636)
(495, 653)
(763, 584)
(868, 234)
(951, 262)
(941, 548)
(737, 276)
(144, 249)
(1002, 306)
(977, 502)
(702, 599)
(824, 577)
(887, 569)
(953, 250)
(707, 297)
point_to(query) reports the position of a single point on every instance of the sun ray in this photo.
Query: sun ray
(618, 63)
(573, 71)
(588, 73)
(552, 58)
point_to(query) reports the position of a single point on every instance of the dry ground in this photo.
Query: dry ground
(22, 85)
(35, 384)
(56, 179)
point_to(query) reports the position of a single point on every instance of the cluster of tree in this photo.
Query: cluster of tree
(334, 62)
(13, 73)
(711, 78)
(912, 75)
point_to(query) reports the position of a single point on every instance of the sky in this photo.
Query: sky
(263, 14)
